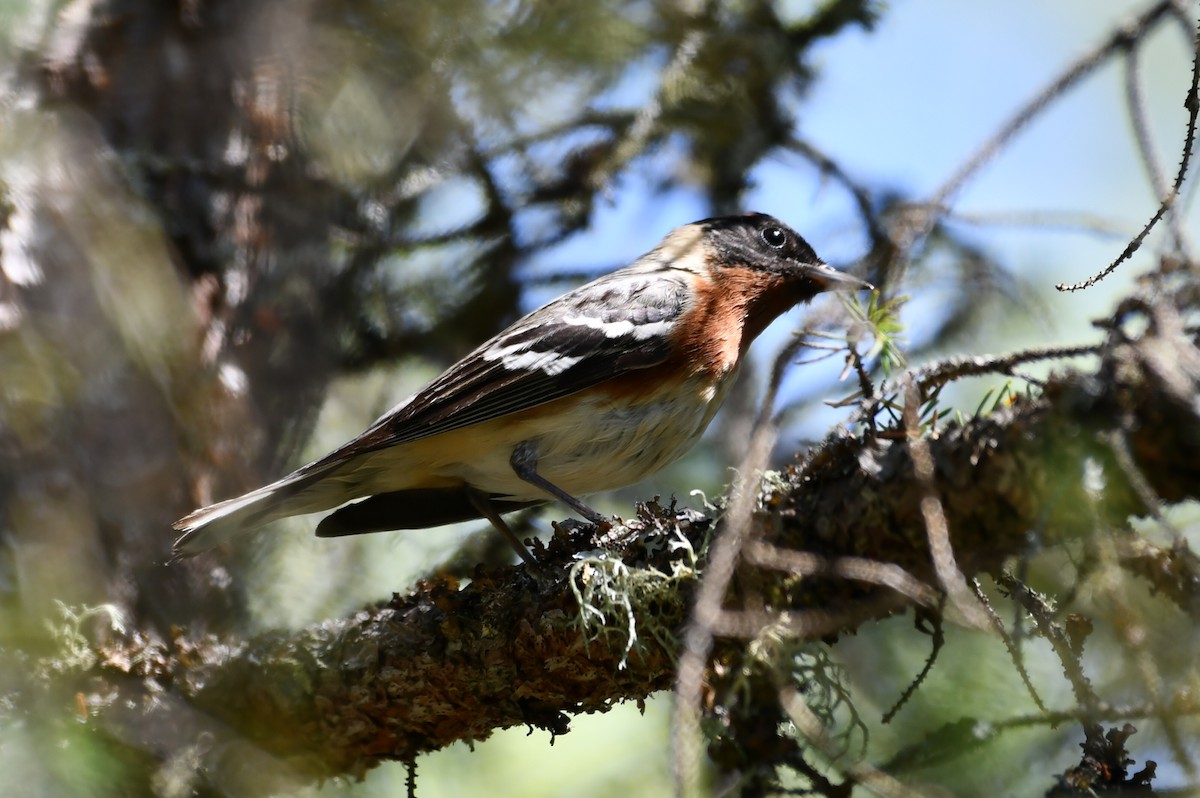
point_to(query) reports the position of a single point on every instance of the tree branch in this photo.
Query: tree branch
(446, 663)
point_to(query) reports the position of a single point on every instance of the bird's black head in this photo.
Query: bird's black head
(763, 243)
(758, 240)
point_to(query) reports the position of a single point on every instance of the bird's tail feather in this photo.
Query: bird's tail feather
(295, 494)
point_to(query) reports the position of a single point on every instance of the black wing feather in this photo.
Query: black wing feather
(409, 509)
(481, 386)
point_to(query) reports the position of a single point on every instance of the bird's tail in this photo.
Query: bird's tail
(298, 493)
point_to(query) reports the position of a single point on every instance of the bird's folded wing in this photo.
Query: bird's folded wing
(608, 328)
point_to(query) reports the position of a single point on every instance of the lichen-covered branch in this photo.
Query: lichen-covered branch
(447, 663)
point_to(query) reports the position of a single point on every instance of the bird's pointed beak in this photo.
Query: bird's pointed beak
(830, 279)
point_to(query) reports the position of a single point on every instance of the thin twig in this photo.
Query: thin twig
(857, 569)
(934, 514)
(830, 168)
(1083, 66)
(1014, 653)
(808, 724)
(1192, 103)
(1042, 614)
(1118, 441)
(723, 557)
(939, 640)
(1092, 224)
(936, 374)
(1141, 134)
(639, 132)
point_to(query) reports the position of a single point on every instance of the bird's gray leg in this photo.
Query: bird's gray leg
(524, 463)
(484, 505)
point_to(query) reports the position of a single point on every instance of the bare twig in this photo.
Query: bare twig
(938, 640)
(941, 372)
(1046, 220)
(857, 569)
(724, 553)
(1120, 40)
(1137, 481)
(1192, 103)
(875, 780)
(1042, 614)
(1141, 134)
(860, 193)
(934, 514)
(1014, 653)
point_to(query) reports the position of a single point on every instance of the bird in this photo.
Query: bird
(593, 391)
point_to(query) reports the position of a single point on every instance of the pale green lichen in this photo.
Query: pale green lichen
(632, 604)
(809, 667)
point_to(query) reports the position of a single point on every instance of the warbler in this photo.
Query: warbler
(593, 391)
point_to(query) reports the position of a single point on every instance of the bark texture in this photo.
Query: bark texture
(445, 663)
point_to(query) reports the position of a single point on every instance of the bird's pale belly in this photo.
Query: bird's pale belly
(588, 444)
(597, 446)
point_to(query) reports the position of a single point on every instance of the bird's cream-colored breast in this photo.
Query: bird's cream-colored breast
(586, 443)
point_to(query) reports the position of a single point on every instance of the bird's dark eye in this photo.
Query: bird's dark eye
(774, 237)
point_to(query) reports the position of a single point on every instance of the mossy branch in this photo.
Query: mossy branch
(446, 663)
